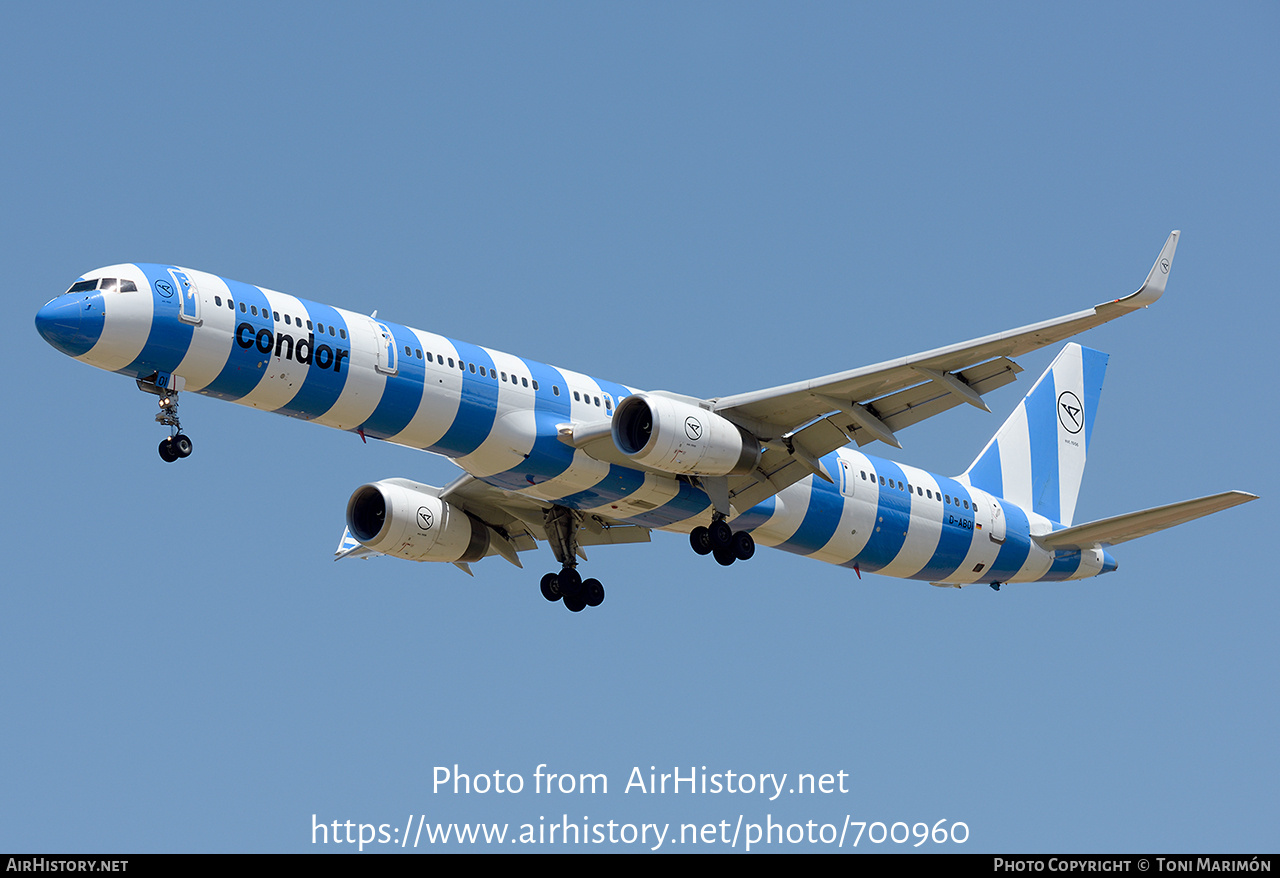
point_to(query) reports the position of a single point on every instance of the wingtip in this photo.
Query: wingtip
(1153, 287)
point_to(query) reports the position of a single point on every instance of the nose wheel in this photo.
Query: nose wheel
(174, 447)
(177, 445)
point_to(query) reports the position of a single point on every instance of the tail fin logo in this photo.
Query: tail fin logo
(1070, 412)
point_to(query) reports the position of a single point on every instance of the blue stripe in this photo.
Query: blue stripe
(893, 513)
(826, 504)
(1017, 544)
(619, 482)
(402, 393)
(169, 338)
(985, 473)
(477, 404)
(756, 515)
(549, 457)
(244, 367)
(322, 387)
(1065, 563)
(614, 389)
(955, 540)
(688, 502)
(1095, 370)
(1042, 428)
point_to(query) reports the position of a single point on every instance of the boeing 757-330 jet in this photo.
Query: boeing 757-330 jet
(549, 454)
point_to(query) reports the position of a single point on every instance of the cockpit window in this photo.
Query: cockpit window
(106, 284)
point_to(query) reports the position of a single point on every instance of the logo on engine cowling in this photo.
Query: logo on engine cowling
(425, 519)
(693, 428)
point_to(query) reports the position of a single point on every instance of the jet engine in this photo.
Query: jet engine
(408, 520)
(678, 437)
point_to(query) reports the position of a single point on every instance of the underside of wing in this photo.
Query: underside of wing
(522, 521)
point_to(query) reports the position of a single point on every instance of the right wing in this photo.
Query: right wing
(517, 523)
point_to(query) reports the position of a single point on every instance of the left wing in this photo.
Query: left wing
(1130, 526)
(799, 423)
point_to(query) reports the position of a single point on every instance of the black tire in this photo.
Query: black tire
(167, 454)
(593, 592)
(550, 587)
(182, 445)
(721, 534)
(744, 545)
(570, 582)
(724, 556)
(575, 604)
(700, 539)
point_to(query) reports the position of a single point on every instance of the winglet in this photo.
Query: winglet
(1153, 287)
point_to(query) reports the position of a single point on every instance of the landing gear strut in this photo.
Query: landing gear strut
(177, 444)
(568, 585)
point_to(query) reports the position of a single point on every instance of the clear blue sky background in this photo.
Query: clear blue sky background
(707, 198)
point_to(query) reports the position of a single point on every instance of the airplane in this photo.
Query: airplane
(557, 456)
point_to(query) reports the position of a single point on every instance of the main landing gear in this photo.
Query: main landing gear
(568, 585)
(577, 593)
(177, 444)
(722, 542)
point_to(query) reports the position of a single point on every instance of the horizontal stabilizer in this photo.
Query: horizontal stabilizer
(349, 547)
(1122, 528)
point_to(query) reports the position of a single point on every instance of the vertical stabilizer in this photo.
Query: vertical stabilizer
(1037, 458)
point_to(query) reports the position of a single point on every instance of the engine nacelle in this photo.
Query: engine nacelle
(406, 520)
(678, 437)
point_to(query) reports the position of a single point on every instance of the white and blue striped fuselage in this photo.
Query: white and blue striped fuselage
(496, 415)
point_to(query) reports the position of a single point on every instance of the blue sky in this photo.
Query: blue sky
(710, 199)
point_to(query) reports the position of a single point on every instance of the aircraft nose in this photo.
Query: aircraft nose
(71, 323)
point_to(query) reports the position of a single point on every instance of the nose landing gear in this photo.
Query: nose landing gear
(177, 444)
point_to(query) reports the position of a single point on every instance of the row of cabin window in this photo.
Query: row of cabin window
(494, 373)
(922, 492)
(288, 320)
(439, 359)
